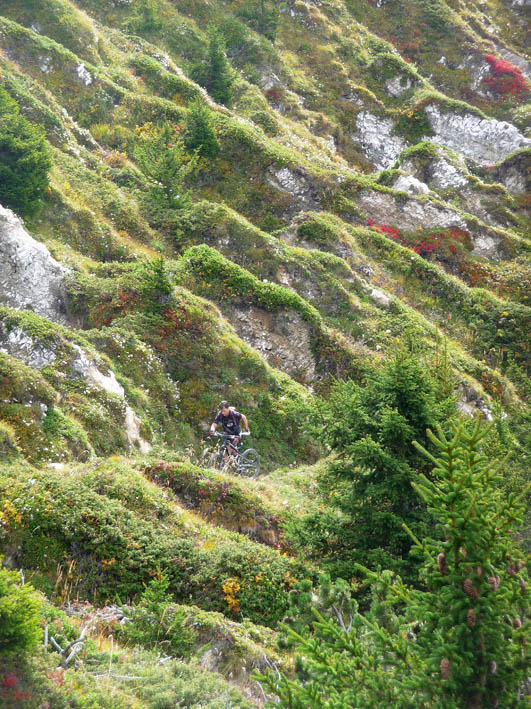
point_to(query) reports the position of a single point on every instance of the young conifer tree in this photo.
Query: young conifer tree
(200, 135)
(461, 642)
(215, 73)
(161, 156)
(24, 158)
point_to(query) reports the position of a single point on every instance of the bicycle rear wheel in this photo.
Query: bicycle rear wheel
(249, 465)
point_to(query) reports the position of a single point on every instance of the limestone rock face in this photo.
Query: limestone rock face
(35, 354)
(438, 173)
(295, 182)
(282, 338)
(375, 136)
(408, 183)
(486, 141)
(18, 344)
(30, 279)
(409, 215)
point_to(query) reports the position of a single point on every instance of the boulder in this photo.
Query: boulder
(30, 279)
(408, 183)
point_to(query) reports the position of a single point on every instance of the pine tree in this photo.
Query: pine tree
(200, 135)
(368, 485)
(24, 159)
(263, 16)
(161, 156)
(155, 287)
(215, 73)
(459, 643)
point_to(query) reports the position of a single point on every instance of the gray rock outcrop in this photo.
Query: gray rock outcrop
(408, 183)
(282, 338)
(375, 135)
(485, 140)
(409, 214)
(295, 182)
(30, 279)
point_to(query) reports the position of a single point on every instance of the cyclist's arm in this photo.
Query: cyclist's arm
(245, 422)
(213, 427)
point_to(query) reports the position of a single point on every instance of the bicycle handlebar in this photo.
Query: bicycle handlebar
(230, 435)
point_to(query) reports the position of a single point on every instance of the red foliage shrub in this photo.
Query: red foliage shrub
(9, 680)
(505, 79)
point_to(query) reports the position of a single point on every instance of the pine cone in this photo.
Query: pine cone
(523, 585)
(520, 565)
(494, 581)
(441, 563)
(517, 623)
(493, 667)
(511, 570)
(445, 668)
(470, 589)
(479, 571)
(471, 617)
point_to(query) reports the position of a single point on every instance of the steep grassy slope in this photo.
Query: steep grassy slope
(370, 193)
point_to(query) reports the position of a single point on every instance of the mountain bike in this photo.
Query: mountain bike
(229, 456)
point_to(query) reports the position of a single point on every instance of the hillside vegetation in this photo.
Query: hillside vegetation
(318, 211)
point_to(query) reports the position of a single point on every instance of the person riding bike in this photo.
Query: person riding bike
(230, 419)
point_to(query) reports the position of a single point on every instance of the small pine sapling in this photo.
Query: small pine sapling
(459, 642)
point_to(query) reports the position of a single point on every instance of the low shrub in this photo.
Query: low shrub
(53, 517)
(20, 626)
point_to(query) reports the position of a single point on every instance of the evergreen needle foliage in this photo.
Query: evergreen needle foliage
(157, 623)
(368, 485)
(459, 643)
(200, 135)
(263, 16)
(215, 73)
(24, 159)
(162, 157)
(155, 287)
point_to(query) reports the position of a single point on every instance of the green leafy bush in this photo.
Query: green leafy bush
(20, 627)
(117, 548)
(25, 159)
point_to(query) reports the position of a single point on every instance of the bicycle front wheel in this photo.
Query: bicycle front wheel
(249, 463)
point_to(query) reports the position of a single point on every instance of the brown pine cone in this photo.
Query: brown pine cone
(445, 668)
(471, 617)
(441, 563)
(470, 589)
(493, 667)
(523, 585)
(520, 565)
(479, 571)
(517, 623)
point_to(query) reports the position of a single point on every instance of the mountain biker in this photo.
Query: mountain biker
(230, 419)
